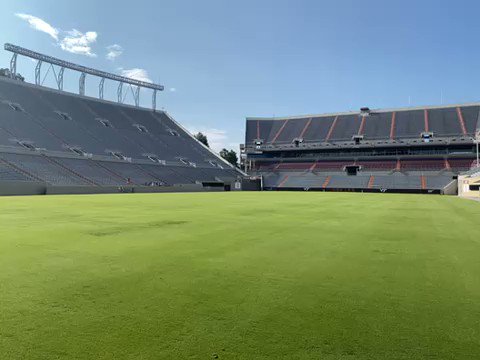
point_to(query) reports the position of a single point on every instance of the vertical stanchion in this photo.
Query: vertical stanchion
(477, 140)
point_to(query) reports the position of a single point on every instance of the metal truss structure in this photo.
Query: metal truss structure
(135, 85)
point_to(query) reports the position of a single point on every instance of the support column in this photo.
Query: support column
(13, 65)
(477, 140)
(60, 78)
(154, 100)
(100, 88)
(81, 84)
(119, 92)
(38, 70)
(136, 96)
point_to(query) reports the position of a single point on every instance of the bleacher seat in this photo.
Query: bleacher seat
(66, 139)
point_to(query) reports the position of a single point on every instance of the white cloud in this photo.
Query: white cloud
(39, 25)
(73, 41)
(114, 51)
(136, 73)
(217, 139)
(172, 89)
(76, 42)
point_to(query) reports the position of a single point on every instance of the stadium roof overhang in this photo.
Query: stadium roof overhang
(359, 113)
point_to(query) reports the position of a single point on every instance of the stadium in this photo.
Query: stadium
(401, 150)
(340, 235)
(59, 141)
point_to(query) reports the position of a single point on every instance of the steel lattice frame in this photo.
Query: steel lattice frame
(84, 71)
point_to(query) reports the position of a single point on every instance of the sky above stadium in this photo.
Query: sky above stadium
(221, 61)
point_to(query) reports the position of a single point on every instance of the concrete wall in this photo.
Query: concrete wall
(22, 188)
(38, 188)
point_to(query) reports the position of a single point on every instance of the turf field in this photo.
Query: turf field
(240, 276)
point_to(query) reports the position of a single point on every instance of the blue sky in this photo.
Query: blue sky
(221, 61)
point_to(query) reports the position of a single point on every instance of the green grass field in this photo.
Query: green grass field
(239, 276)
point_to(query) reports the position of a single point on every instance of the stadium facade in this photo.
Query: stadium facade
(419, 149)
